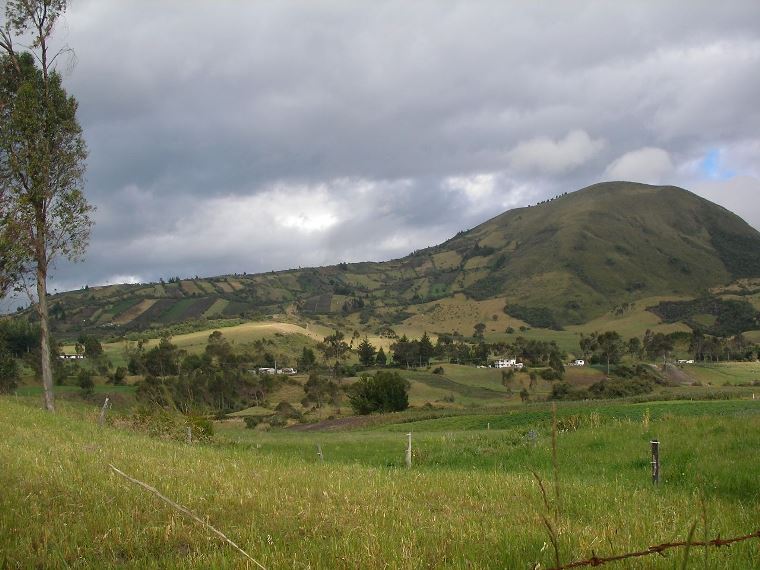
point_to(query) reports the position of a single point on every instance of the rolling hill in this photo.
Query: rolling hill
(562, 262)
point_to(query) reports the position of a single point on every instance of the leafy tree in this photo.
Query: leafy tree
(405, 351)
(588, 344)
(556, 363)
(43, 211)
(610, 346)
(218, 347)
(307, 360)
(20, 336)
(525, 396)
(635, 347)
(9, 370)
(480, 353)
(85, 381)
(480, 328)
(334, 347)
(384, 392)
(90, 346)
(426, 349)
(162, 360)
(696, 344)
(319, 390)
(154, 391)
(119, 376)
(366, 352)
(381, 359)
(461, 352)
(658, 345)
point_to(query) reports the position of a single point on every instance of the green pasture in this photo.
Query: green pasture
(725, 373)
(469, 500)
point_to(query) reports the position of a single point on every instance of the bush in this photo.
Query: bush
(85, 381)
(287, 411)
(165, 424)
(119, 375)
(383, 392)
(438, 370)
(252, 421)
(564, 391)
(549, 374)
(9, 370)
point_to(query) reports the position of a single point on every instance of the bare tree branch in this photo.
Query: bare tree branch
(187, 512)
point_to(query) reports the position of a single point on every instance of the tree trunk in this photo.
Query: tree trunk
(42, 311)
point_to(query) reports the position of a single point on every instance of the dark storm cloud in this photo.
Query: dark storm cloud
(231, 136)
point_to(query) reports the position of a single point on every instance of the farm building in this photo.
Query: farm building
(71, 356)
(508, 363)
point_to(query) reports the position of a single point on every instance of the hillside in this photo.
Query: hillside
(566, 261)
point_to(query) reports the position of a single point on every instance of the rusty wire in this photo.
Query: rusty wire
(657, 549)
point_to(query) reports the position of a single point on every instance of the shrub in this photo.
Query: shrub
(383, 392)
(119, 375)
(549, 374)
(438, 370)
(287, 411)
(9, 370)
(165, 424)
(85, 381)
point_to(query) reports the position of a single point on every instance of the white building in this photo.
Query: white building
(578, 362)
(71, 356)
(508, 363)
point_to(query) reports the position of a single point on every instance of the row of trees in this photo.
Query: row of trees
(411, 353)
(609, 347)
(218, 379)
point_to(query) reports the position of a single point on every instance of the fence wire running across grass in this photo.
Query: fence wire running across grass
(657, 549)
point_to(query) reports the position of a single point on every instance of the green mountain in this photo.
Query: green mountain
(564, 261)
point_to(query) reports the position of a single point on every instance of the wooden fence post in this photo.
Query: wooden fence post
(319, 453)
(409, 451)
(655, 461)
(102, 418)
(189, 434)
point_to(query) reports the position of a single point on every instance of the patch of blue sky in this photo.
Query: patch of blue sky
(712, 167)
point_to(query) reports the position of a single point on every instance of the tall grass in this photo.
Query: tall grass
(61, 505)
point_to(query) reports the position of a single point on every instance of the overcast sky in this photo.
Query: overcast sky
(232, 136)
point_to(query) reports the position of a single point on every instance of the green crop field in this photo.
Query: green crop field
(725, 373)
(469, 499)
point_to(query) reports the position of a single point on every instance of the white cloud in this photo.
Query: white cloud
(650, 165)
(545, 155)
(116, 279)
(475, 187)
(466, 112)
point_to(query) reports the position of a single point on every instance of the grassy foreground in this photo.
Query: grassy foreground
(61, 506)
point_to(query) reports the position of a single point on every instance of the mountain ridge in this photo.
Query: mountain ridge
(571, 258)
